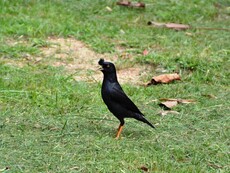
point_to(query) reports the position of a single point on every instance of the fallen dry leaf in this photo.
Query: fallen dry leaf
(131, 4)
(168, 103)
(164, 78)
(124, 3)
(174, 26)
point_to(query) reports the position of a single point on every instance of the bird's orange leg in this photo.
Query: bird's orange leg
(119, 131)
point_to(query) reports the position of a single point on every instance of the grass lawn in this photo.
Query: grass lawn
(50, 122)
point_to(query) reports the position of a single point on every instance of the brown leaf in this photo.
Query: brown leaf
(168, 104)
(174, 26)
(144, 168)
(164, 78)
(124, 3)
(139, 4)
(131, 4)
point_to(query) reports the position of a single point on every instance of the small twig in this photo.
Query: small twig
(4, 169)
(178, 27)
(215, 165)
(207, 28)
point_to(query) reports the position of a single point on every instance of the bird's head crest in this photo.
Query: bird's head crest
(106, 67)
(101, 61)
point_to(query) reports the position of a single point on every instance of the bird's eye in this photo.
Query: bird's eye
(108, 66)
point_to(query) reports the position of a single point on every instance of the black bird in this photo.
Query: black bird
(116, 100)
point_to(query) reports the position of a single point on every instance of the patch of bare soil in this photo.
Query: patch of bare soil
(82, 62)
(77, 58)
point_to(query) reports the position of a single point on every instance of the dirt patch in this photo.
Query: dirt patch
(77, 58)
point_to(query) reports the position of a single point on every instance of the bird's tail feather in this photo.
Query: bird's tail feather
(140, 117)
(147, 122)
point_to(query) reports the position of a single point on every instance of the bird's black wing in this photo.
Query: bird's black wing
(119, 96)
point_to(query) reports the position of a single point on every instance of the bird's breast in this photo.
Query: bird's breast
(106, 91)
